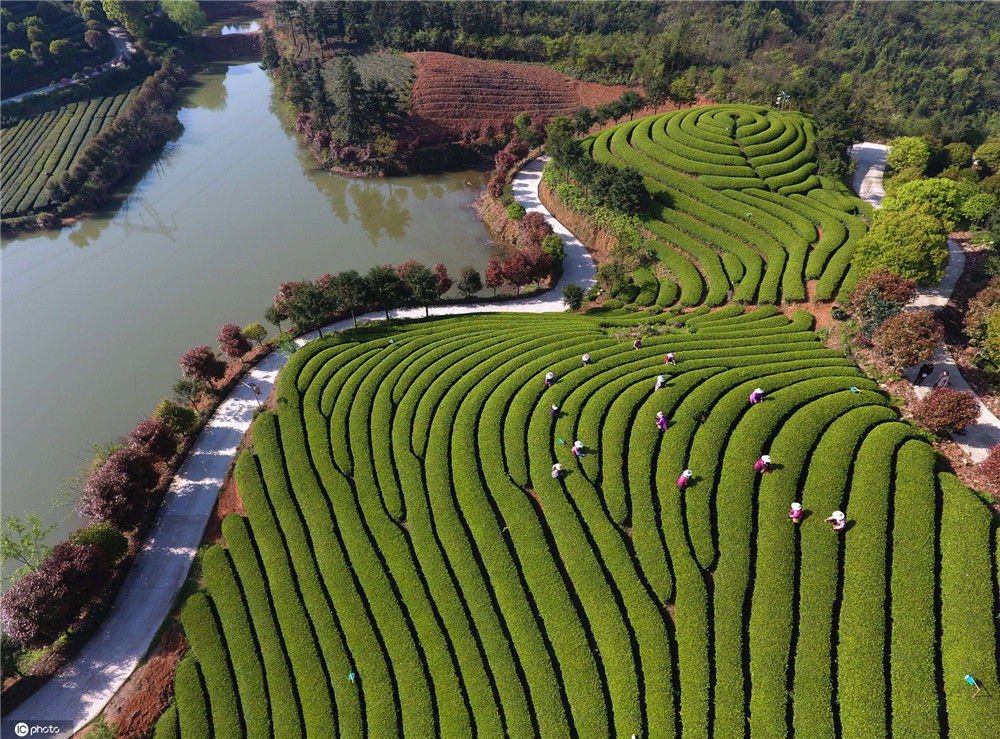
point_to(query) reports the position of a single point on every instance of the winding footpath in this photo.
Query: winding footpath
(80, 691)
(985, 434)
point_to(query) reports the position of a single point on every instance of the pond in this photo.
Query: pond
(95, 316)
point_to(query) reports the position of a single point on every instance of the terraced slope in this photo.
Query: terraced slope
(404, 530)
(40, 148)
(737, 208)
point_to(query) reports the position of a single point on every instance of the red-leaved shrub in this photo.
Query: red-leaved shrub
(41, 605)
(990, 467)
(201, 364)
(232, 342)
(908, 338)
(155, 437)
(947, 410)
(118, 491)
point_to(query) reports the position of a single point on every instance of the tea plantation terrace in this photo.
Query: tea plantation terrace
(408, 563)
(736, 207)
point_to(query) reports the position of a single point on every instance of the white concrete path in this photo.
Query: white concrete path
(80, 691)
(870, 160)
(977, 440)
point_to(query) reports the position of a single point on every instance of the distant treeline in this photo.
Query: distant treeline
(888, 68)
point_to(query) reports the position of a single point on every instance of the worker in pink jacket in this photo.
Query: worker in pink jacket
(756, 396)
(661, 421)
(763, 464)
(685, 479)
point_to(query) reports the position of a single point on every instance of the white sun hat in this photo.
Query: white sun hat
(555, 407)
(549, 375)
(767, 459)
(586, 357)
(796, 506)
(659, 414)
(759, 390)
(662, 378)
(688, 473)
(578, 444)
(838, 516)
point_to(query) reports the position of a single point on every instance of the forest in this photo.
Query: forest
(879, 69)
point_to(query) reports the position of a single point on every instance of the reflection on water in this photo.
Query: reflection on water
(202, 235)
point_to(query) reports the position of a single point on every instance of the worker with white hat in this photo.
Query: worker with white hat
(838, 519)
(795, 513)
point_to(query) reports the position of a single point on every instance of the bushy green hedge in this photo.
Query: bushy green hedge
(192, 702)
(968, 634)
(209, 646)
(912, 586)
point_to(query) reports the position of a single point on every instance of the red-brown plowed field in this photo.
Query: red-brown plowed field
(453, 93)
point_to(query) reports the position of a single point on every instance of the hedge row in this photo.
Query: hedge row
(912, 587)
(968, 625)
(860, 647)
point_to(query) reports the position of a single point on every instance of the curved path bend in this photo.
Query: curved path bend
(80, 691)
(985, 434)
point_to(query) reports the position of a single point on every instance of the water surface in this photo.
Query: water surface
(95, 317)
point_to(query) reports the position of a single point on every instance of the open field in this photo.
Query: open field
(736, 206)
(409, 565)
(40, 148)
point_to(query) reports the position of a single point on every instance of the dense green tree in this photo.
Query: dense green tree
(270, 58)
(319, 100)
(130, 13)
(908, 151)
(470, 281)
(178, 417)
(386, 288)
(681, 91)
(421, 284)
(349, 291)
(274, 316)
(910, 243)
(61, 50)
(979, 206)
(989, 155)
(255, 332)
(349, 99)
(185, 13)
(19, 56)
(573, 295)
(939, 196)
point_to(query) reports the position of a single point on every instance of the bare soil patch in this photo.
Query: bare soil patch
(137, 706)
(452, 93)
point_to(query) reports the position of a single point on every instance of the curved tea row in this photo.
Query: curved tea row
(736, 205)
(408, 564)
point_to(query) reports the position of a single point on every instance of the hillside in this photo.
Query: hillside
(410, 566)
(735, 208)
(452, 94)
